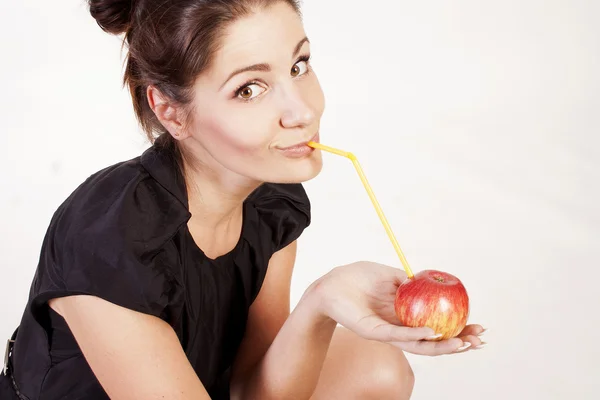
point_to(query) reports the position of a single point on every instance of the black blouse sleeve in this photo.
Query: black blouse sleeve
(284, 210)
(111, 239)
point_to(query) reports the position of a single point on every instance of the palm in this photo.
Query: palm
(369, 292)
(381, 299)
(361, 298)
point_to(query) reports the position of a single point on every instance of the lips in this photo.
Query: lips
(300, 145)
(299, 150)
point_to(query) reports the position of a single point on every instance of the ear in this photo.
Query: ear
(169, 114)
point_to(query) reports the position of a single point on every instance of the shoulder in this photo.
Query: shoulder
(279, 198)
(284, 211)
(118, 207)
(111, 238)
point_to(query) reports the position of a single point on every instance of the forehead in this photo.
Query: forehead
(268, 35)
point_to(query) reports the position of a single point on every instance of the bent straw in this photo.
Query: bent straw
(365, 183)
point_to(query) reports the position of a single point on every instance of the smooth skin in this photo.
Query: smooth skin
(238, 136)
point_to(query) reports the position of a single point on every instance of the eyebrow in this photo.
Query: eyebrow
(263, 67)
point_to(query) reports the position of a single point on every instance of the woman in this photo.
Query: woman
(168, 276)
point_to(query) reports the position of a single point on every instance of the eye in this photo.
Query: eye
(300, 68)
(249, 91)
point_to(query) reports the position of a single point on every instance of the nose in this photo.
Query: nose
(297, 111)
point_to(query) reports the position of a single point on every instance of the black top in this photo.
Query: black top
(122, 236)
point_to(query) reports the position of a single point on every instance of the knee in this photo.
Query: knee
(391, 377)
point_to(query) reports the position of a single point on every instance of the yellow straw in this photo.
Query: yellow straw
(365, 183)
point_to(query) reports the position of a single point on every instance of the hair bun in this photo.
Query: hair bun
(113, 16)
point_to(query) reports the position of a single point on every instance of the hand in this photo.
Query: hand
(360, 296)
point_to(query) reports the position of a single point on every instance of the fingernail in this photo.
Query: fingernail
(439, 335)
(482, 332)
(481, 346)
(465, 346)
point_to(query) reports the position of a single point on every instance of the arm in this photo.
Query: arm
(133, 355)
(282, 358)
(282, 355)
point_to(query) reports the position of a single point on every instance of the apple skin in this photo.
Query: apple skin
(433, 299)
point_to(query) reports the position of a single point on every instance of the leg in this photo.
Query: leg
(356, 368)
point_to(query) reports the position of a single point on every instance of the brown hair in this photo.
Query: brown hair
(170, 43)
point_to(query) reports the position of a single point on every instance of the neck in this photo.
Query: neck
(216, 195)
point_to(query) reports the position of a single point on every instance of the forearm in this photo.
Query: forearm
(291, 366)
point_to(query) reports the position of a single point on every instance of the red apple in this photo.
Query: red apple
(434, 299)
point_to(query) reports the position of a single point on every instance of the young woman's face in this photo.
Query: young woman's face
(260, 98)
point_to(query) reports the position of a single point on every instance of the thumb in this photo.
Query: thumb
(400, 275)
(373, 327)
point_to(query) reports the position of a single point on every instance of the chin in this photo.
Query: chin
(297, 171)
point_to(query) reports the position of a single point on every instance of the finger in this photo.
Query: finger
(375, 328)
(476, 342)
(400, 275)
(427, 348)
(473, 329)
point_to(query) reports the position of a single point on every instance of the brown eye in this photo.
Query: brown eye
(295, 70)
(300, 68)
(246, 93)
(250, 92)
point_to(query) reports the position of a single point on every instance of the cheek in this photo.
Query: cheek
(236, 134)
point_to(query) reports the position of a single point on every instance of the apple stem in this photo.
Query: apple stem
(365, 183)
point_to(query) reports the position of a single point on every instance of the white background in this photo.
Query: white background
(477, 123)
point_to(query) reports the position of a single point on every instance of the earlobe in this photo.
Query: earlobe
(166, 112)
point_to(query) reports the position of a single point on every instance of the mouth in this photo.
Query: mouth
(299, 150)
(300, 145)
